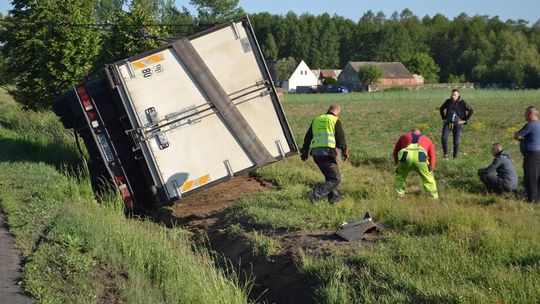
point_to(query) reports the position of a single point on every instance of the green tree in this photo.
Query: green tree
(269, 47)
(423, 64)
(329, 81)
(47, 51)
(5, 77)
(456, 78)
(215, 11)
(513, 54)
(347, 48)
(326, 42)
(532, 76)
(369, 74)
(284, 68)
(133, 33)
(184, 23)
(106, 10)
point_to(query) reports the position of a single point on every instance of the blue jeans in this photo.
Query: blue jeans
(455, 133)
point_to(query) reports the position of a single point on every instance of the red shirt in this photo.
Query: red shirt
(423, 141)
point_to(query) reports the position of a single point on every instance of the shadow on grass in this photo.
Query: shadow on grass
(6, 123)
(378, 162)
(57, 154)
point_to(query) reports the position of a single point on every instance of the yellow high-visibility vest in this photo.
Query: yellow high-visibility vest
(323, 129)
(413, 153)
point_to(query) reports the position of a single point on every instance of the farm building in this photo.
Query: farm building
(395, 74)
(322, 74)
(302, 80)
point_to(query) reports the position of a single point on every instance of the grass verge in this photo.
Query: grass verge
(76, 250)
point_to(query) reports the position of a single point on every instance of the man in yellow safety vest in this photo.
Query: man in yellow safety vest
(324, 136)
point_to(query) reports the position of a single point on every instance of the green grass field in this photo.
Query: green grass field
(470, 247)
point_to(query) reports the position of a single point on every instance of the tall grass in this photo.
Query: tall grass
(80, 251)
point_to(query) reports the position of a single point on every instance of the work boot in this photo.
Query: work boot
(313, 197)
(333, 197)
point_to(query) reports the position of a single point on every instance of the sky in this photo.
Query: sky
(354, 9)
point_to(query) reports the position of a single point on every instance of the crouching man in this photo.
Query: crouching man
(505, 179)
(415, 152)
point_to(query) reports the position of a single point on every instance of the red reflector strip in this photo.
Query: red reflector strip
(92, 115)
(126, 196)
(118, 180)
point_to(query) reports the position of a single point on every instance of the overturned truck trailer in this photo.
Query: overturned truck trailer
(180, 118)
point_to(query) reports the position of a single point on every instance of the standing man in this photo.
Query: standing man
(506, 179)
(455, 112)
(529, 137)
(415, 152)
(323, 137)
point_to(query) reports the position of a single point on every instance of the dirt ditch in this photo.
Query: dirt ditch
(277, 278)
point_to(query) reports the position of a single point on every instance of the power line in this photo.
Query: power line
(106, 25)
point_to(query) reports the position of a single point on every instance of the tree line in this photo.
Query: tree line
(479, 49)
(47, 46)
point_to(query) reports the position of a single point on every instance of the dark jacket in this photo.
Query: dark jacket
(464, 110)
(502, 164)
(338, 134)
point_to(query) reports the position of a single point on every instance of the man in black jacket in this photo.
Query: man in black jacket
(455, 112)
(324, 135)
(506, 179)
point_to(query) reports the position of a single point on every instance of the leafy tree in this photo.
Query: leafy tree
(329, 81)
(106, 10)
(215, 11)
(133, 33)
(184, 22)
(269, 47)
(369, 74)
(456, 78)
(325, 47)
(532, 76)
(284, 68)
(46, 53)
(347, 48)
(423, 64)
(5, 77)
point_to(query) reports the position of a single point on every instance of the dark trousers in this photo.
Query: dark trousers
(531, 170)
(494, 183)
(330, 170)
(455, 134)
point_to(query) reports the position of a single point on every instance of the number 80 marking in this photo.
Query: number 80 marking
(147, 73)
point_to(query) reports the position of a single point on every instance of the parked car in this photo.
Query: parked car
(337, 89)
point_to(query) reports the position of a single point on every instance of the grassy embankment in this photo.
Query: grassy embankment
(78, 251)
(471, 247)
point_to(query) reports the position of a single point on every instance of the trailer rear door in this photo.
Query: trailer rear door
(204, 109)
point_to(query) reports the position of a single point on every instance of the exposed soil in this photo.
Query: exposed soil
(277, 279)
(109, 277)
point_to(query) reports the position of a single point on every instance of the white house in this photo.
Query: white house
(302, 80)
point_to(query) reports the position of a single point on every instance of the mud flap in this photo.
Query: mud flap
(355, 231)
